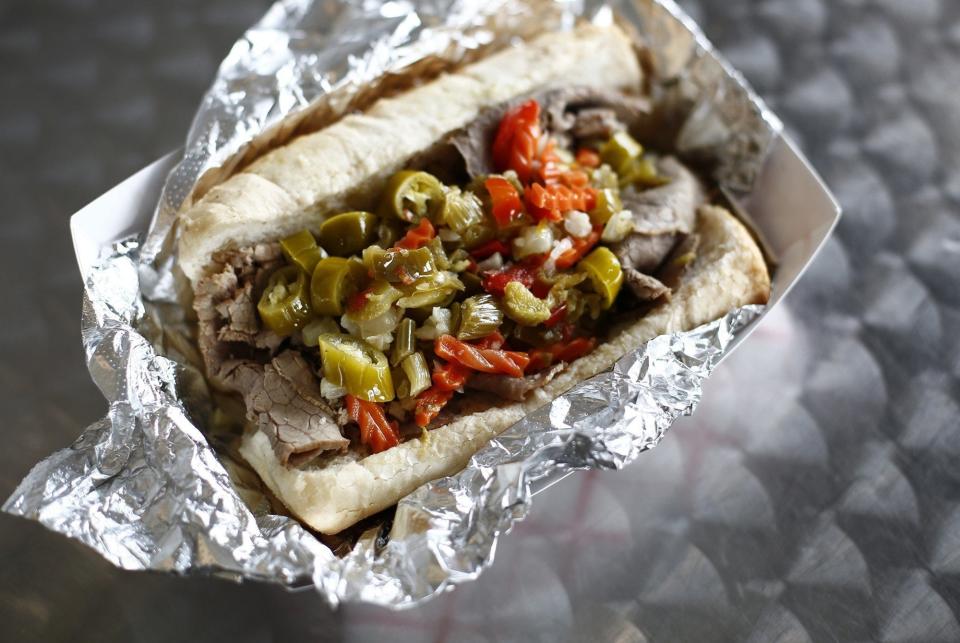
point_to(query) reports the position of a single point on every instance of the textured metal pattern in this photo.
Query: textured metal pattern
(112, 489)
(829, 512)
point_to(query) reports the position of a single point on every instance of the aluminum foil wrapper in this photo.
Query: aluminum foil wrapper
(144, 486)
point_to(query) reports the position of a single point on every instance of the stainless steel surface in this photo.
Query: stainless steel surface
(112, 488)
(814, 496)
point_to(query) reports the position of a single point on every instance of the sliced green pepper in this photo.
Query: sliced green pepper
(463, 213)
(284, 305)
(389, 232)
(603, 269)
(608, 204)
(334, 279)
(479, 316)
(562, 289)
(405, 343)
(643, 172)
(401, 387)
(301, 250)
(454, 317)
(378, 299)
(439, 290)
(620, 151)
(522, 306)
(418, 373)
(440, 258)
(459, 260)
(399, 265)
(472, 282)
(412, 195)
(357, 366)
(348, 233)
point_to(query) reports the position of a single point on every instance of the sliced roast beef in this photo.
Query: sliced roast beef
(512, 388)
(661, 217)
(680, 259)
(241, 375)
(669, 208)
(228, 327)
(644, 287)
(580, 112)
(473, 141)
(288, 408)
(596, 123)
(282, 397)
(644, 252)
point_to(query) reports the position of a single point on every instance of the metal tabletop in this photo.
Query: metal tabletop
(814, 496)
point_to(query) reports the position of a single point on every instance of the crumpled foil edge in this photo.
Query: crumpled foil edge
(147, 472)
(144, 488)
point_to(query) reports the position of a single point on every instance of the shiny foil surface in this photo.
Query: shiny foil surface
(146, 489)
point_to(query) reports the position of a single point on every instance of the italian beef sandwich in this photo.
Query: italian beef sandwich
(389, 293)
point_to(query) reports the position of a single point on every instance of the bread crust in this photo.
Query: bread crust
(292, 187)
(729, 272)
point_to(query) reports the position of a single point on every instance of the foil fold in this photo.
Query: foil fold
(145, 488)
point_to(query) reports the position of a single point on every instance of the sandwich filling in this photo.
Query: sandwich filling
(504, 253)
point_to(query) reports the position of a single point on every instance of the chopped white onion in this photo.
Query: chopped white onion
(618, 227)
(437, 324)
(318, 327)
(560, 247)
(381, 342)
(446, 234)
(533, 240)
(493, 262)
(330, 390)
(577, 223)
(381, 325)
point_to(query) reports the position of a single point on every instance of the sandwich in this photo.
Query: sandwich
(387, 294)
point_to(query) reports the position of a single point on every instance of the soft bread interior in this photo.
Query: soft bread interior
(287, 189)
(729, 272)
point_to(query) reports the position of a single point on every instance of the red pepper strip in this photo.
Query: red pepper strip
(429, 404)
(588, 158)
(573, 349)
(535, 262)
(541, 358)
(375, 430)
(450, 376)
(550, 170)
(551, 201)
(485, 360)
(493, 340)
(507, 206)
(518, 135)
(575, 179)
(540, 289)
(579, 249)
(490, 248)
(417, 236)
(541, 203)
(357, 301)
(557, 315)
(495, 283)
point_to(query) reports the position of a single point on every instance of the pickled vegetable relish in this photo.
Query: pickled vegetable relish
(507, 276)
